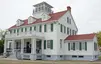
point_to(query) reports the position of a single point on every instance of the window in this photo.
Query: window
(52, 27)
(73, 45)
(30, 28)
(70, 31)
(48, 55)
(25, 29)
(73, 32)
(64, 29)
(60, 43)
(50, 44)
(61, 28)
(77, 46)
(95, 46)
(70, 21)
(67, 30)
(61, 56)
(45, 28)
(21, 29)
(68, 46)
(74, 56)
(35, 28)
(14, 30)
(10, 31)
(17, 30)
(44, 44)
(80, 46)
(67, 19)
(40, 28)
(85, 45)
(81, 56)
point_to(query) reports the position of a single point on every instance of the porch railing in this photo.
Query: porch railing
(24, 34)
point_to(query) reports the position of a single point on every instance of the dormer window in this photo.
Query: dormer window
(19, 22)
(31, 20)
(45, 16)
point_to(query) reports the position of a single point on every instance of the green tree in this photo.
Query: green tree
(99, 38)
(2, 36)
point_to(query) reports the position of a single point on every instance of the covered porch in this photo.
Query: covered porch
(24, 48)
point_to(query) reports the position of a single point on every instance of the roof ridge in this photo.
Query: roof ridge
(58, 12)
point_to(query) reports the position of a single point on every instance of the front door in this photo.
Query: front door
(39, 49)
(18, 50)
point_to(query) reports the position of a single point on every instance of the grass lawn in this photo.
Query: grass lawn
(4, 61)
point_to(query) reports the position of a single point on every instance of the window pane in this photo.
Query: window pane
(77, 46)
(71, 46)
(48, 44)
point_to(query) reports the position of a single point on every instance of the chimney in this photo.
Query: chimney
(69, 8)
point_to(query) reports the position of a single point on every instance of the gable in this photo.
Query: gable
(63, 21)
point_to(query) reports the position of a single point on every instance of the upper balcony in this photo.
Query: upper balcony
(25, 34)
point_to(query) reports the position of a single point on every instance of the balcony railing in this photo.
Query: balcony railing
(24, 34)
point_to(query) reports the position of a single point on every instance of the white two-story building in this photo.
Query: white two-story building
(49, 36)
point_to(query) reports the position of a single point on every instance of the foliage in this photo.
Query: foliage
(99, 38)
(2, 36)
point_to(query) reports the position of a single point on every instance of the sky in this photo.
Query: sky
(86, 13)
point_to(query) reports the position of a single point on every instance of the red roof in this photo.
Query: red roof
(54, 16)
(81, 37)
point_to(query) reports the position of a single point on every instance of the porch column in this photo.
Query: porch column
(5, 46)
(22, 47)
(33, 49)
(12, 44)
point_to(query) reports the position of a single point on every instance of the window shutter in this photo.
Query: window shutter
(44, 44)
(80, 46)
(85, 45)
(35, 28)
(21, 29)
(45, 28)
(73, 46)
(51, 44)
(69, 46)
(61, 28)
(30, 28)
(52, 27)
(17, 30)
(14, 31)
(25, 29)
(40, 28)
